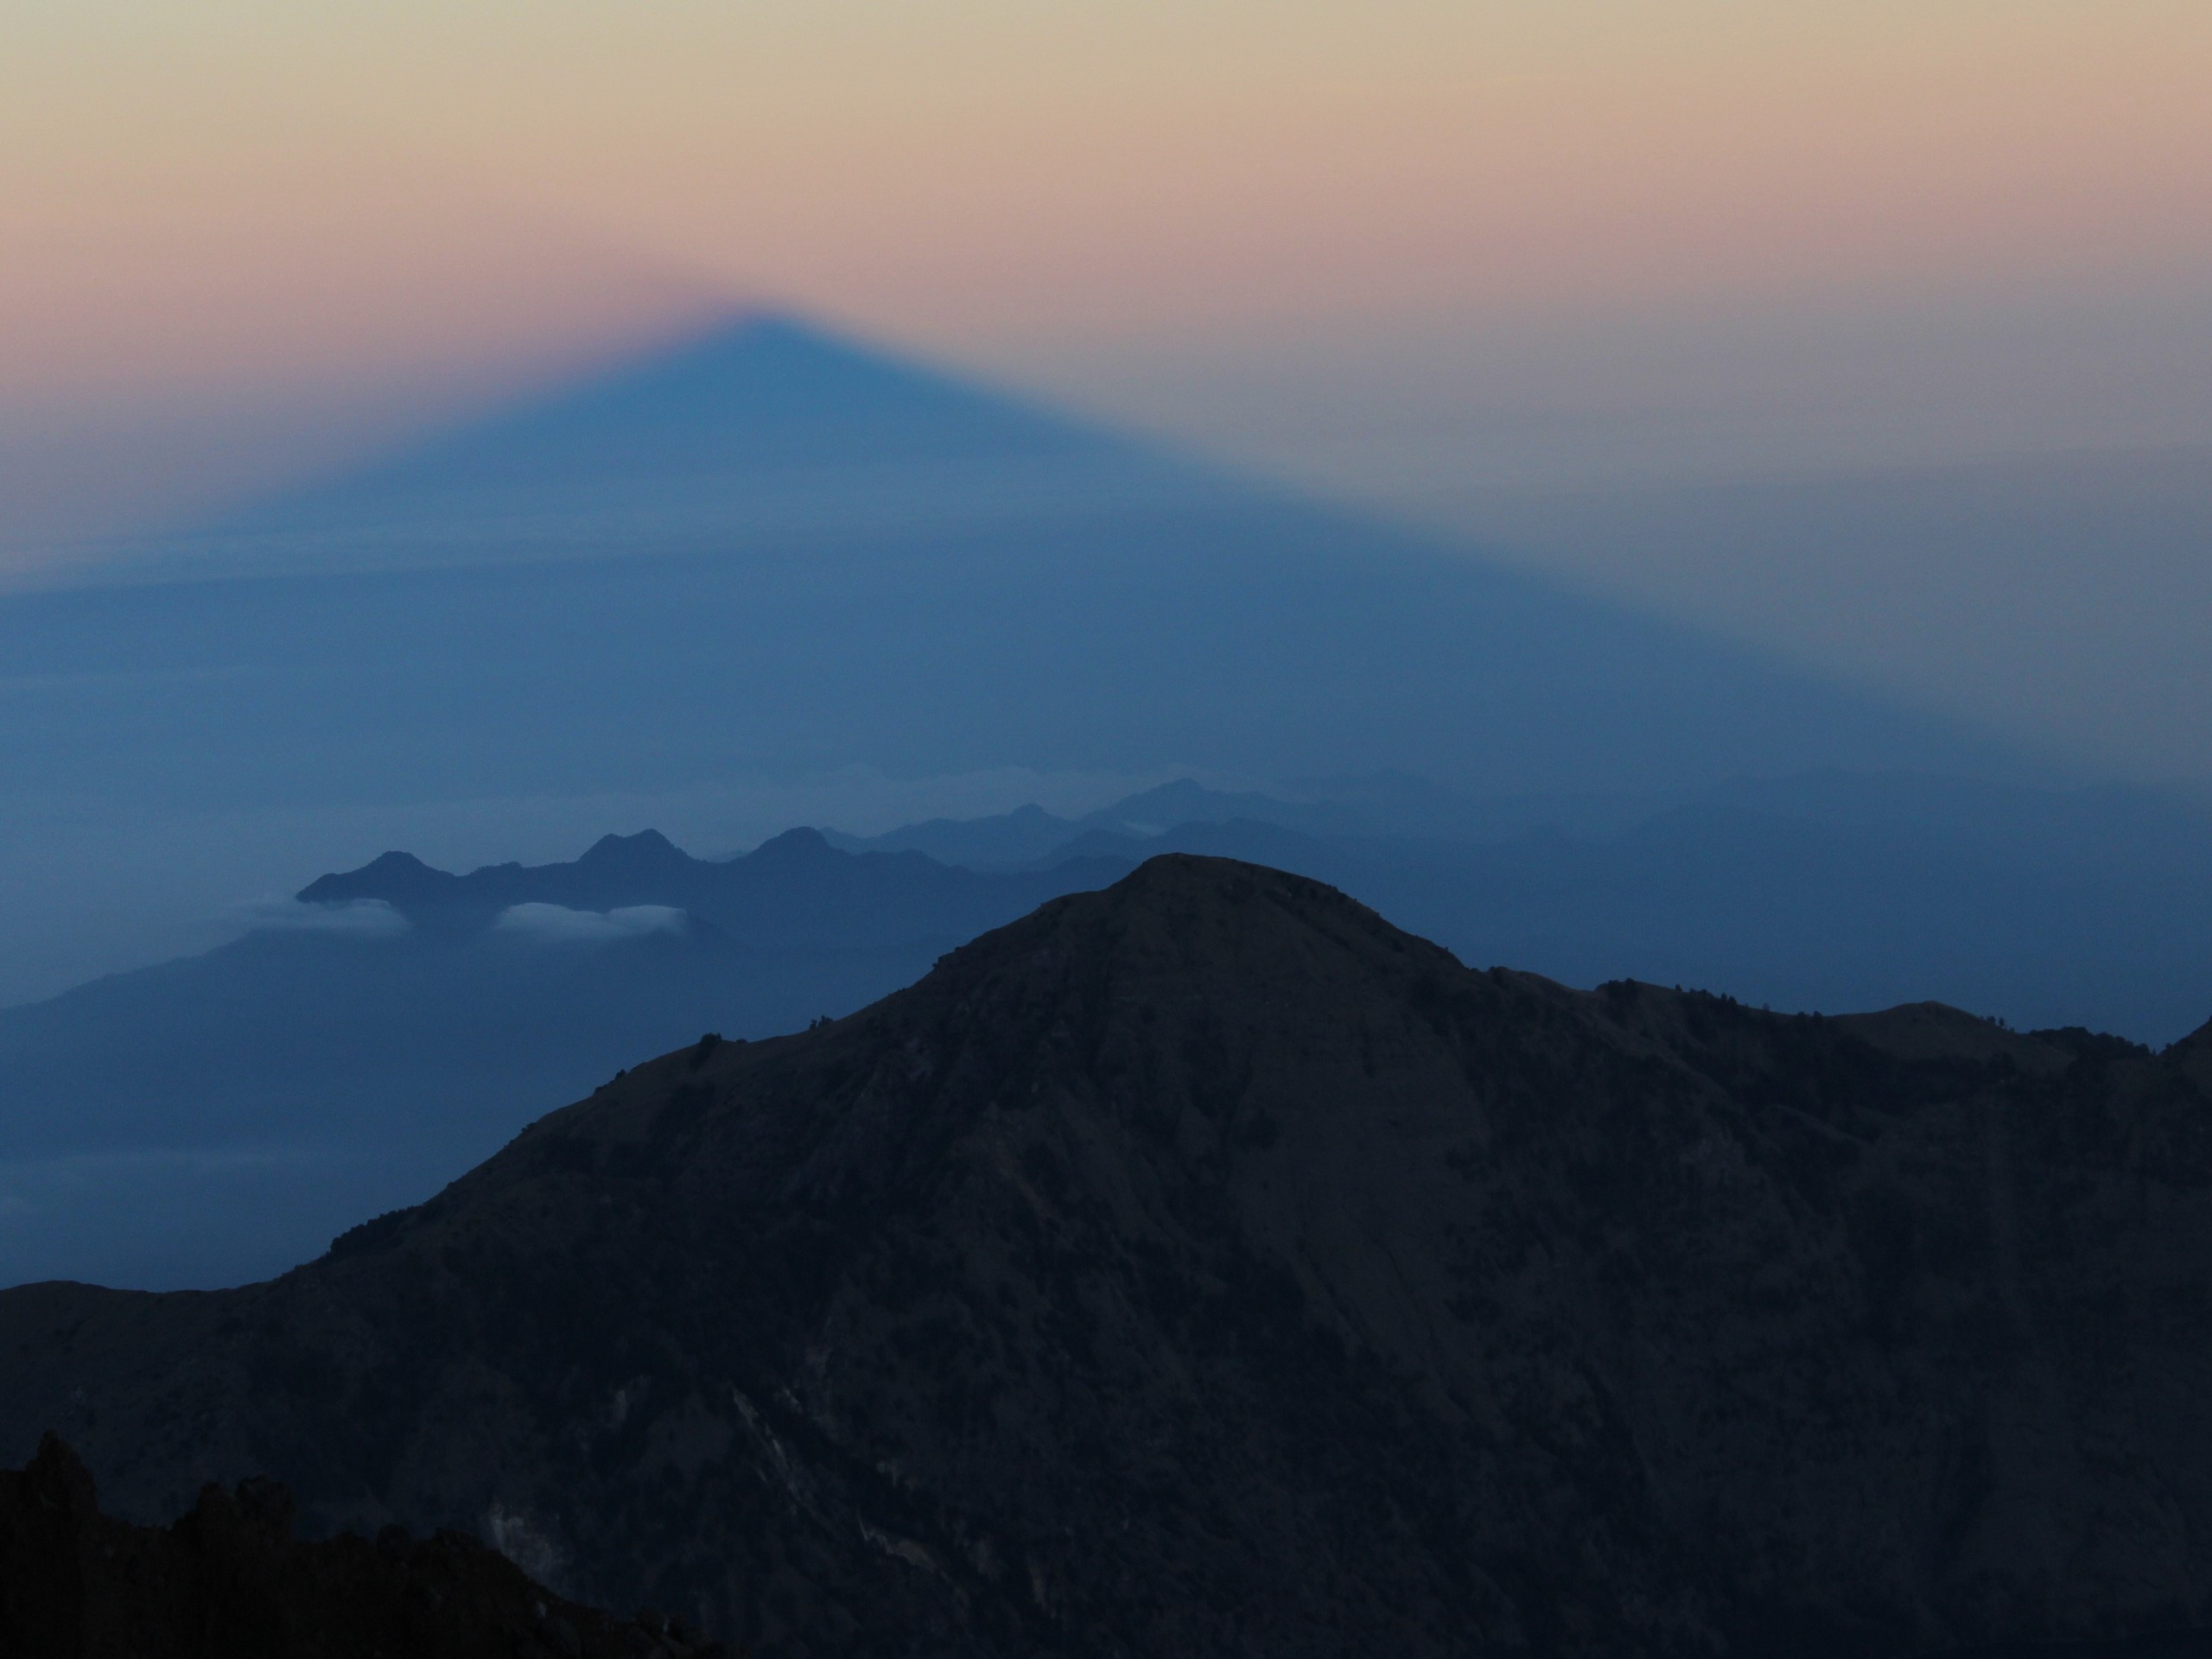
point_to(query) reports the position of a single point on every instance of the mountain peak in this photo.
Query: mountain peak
(399, 879)
(1180, 889)
(648, 848)
(1183, 913)
(1206, 1242)
(793, 845)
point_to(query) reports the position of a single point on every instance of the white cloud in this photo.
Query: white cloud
(555, 923)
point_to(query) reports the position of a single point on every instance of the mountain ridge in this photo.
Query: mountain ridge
(1205, 1266)
(796, 883)
(1826, 889)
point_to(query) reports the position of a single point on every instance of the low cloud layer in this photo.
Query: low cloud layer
(555, 923)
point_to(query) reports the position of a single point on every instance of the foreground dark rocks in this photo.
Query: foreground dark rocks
(229, 1581)
(1205, 1266)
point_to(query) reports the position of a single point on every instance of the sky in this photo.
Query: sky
(1482, 264)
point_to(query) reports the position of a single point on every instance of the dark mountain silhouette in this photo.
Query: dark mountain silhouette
(1823, 890)
(210, 1121)
(229, 1581)
(215, 1119)
(1207, 1267)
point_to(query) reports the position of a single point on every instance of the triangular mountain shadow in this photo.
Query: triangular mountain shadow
(1205, 1266)
(758, 391)
(762, 426)
(773, 553)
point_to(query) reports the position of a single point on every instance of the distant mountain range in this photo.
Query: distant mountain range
(215, 1119)
(1823, 890)
(795, 892)
(768, 555)
(218, 1117)
(1207, 1267)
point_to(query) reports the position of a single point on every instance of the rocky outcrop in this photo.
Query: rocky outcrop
(1205, 1266)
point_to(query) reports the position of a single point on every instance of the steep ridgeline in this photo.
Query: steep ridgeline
(1825, 890)
(1205, 1266)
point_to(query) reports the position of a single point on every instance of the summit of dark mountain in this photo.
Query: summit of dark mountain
(1205, 1265)
(644, 853)
(795, 846)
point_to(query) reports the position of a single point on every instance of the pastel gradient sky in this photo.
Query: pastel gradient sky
(1413, 251)
(247, 188)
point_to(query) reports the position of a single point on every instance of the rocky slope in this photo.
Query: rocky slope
(1205, 1266)
(229, 1581)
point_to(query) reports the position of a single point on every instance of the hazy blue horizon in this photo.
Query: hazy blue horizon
(763, 576)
